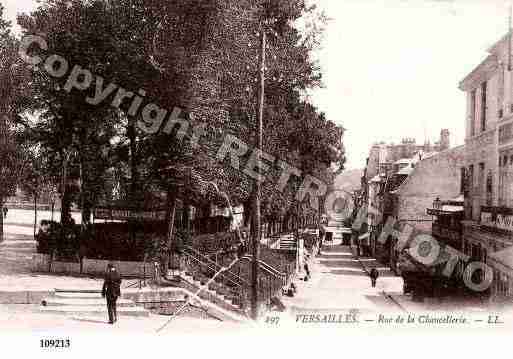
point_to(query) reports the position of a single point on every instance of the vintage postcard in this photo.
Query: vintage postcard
(212, 167)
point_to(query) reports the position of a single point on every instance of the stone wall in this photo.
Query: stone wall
(436, 176)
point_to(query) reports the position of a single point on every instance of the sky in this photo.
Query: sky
(391, 68)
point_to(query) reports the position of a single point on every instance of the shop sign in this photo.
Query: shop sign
(499, 221)
(126, 214)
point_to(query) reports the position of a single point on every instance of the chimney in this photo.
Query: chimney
(445, 142)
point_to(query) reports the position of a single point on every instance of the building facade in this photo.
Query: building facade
(487, 228)
(403, 187)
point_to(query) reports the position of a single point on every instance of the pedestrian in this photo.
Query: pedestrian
(5, 212)
(374, 274)
(322, 234)
(111, 291)
(241, 250)
(307, 271)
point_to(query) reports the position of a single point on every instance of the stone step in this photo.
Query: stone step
(20, 250)
(226, 298)
(19, 243)
(77, 295)
(51, 301)
(99, 309)
(59, 290)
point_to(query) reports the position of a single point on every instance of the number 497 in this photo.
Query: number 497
(272, 320)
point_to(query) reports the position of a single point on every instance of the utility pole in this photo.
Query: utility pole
(258, 222)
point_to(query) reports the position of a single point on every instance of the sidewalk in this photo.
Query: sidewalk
(430, 304)
(392, 288)
(338, 282)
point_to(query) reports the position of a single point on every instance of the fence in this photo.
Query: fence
(43, 263)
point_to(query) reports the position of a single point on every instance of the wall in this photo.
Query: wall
(436, 176)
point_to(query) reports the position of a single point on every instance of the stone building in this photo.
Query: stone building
(438, 176)
(488, 228)
(403, 180)
(382, 156)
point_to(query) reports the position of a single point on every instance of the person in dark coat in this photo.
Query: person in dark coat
(111, 291)
(307, 271)
(374, 274)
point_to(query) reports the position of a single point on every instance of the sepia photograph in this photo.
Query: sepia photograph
(233, 168)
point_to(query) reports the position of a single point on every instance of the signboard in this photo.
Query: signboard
(502, 221)
(121, 214)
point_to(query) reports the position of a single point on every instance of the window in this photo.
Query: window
(481, 177)
(483, 106)
(473, 113)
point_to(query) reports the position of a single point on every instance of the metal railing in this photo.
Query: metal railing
(235, 282)
(225, 283)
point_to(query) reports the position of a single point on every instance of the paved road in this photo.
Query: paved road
(339, 282)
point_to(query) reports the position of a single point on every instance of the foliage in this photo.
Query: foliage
(201, 56)
(221, 242)
(11, 85)
(61, 241)
(102, 241)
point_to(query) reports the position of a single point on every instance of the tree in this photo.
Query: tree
(11, 76)
(83, 139)
(198, 55)
(208, 52)
(33, 182)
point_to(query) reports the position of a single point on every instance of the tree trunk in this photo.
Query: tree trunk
(133, 174)
(35, 215)
(65, 198)
(249, 207)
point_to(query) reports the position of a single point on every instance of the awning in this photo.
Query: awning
(446, 209)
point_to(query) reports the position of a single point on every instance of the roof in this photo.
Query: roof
(376, 178)
(434, 156)
(405, 171)
(450, 208)
(486, 65)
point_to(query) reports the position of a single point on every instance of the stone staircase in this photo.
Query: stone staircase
(221, 295)
(87, 302)
(288, 242)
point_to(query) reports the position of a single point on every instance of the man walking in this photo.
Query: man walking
(111, 291)
(374, 274)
